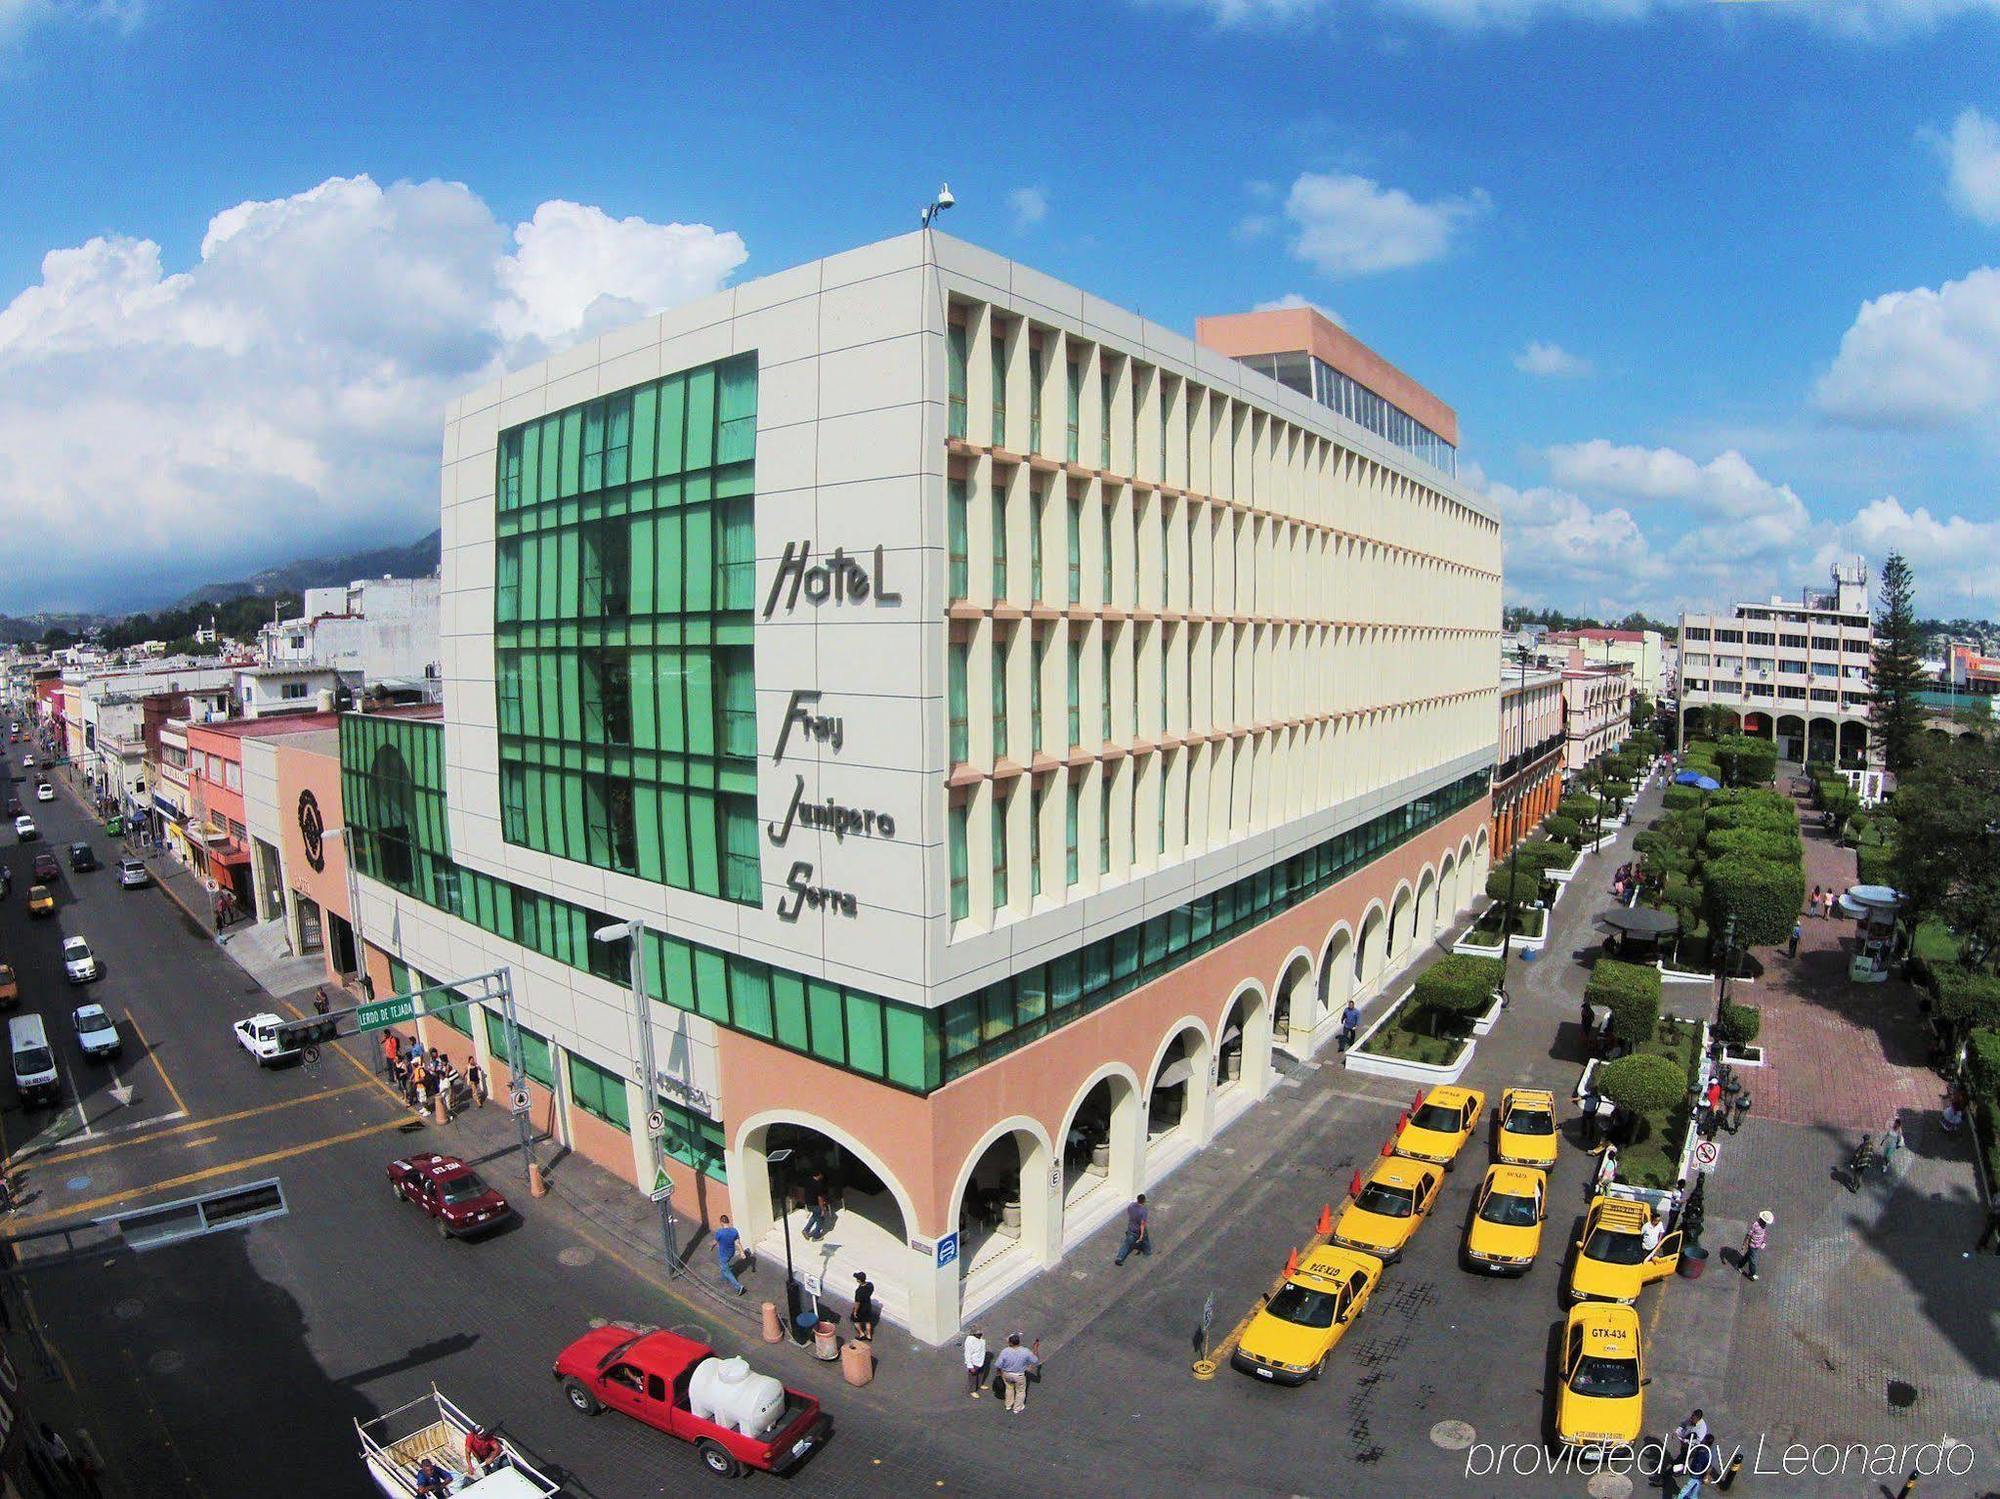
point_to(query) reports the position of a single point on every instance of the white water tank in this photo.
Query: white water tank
(324, 700)
(723, 1390)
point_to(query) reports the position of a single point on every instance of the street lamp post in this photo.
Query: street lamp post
(778, 1158)
(1514, 849)
(634, 935)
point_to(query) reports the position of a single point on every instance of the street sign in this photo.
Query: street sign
(663, 1185)
(386, 1012)
(1208, 1312)
(656, 1123)
(947, 1250)
(517, 1101)
(310, 1056)
(1706, 1153)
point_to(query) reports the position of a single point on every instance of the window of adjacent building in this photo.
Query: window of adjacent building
(1036, 667)
(1034, 397)
(961, 726)
(961, 874)
(1036, 803)
(999, 343)
(599, 1092)
(999, 541)
(693, 1139)
(1075, 539)
(956, 504)
(1104, 822)
(1104, 421)
(999, 697)
(999, 847)
(1104, 682)
(1070, 809)
(1074, 399)
(292, 691)
(957, 356)
(1696, 633)
(1729, 637)
(1104, 516)
(1037, 515)
(537, 1062)
(1074, 684)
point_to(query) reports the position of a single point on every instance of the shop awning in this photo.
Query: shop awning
(224, 854)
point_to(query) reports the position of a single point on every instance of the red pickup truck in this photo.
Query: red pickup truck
(663, 1379)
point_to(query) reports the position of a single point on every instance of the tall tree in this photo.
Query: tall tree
(1896, 717)
(1947, 858)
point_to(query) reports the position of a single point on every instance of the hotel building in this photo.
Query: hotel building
(1014, 723)
(1797, 672)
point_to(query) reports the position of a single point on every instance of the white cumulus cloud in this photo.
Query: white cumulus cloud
(1029, 206)
(1973, 153)
(1737, 511)
(1294, 299)
(1920, 358)
(285, 391)
(1347, 225)
(1551, 362)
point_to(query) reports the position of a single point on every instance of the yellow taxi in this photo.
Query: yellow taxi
(1287, 1342)
(1601, 1399)
(1441, 1125)
(41, 901)
(1527, 1128)
(1613, 1258)
(1394, 1199)
(10, 987)
(1506, 1231)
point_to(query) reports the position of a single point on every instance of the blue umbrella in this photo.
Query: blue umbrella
(1697, 780)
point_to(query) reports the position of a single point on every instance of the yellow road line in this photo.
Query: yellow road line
(1230, 1339)
(180, 1129)
(152, 1055)
(208, 1173)
(198, 1141)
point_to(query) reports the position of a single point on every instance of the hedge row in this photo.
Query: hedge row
(1631, 991)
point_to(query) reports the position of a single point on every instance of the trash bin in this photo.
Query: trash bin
(1694, 1260)
(826, 1341)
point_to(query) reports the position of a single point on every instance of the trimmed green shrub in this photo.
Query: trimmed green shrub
(1740, 1023)
(1540, 855)
(1682, 896)
(1680, 798)
(1456, 985)
(1758, 843)
(1562, 829)
(1642, 1084)
(1966, 1000)
(1618, 791)
(1764, 895)
(1648, 841)
(1876, 864)
(1746, 761)
(1631, 991)
(1982, 1062)
(1526, 887)
(1581, 808)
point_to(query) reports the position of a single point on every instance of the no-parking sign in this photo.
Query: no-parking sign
(1706, 1154)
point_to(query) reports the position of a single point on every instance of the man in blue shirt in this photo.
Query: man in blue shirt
(1350, 1022)
(726, 1241)
(1136, 1235)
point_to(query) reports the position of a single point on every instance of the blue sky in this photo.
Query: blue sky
(1630, 240)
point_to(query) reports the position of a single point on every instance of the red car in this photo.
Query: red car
(746, 1420)
(455, 1195)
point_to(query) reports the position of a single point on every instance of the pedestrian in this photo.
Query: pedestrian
(417, 1052)
(1350, 1023)
(974, 1351)
(1758, 1236)
(819, 1206)
(1792, 947)
(1607, 1117)
(1892, 1141)
(866, 1314)
(1607, 1170)
(1014, 1363)
(1691, 1433)
(1652, 1233)
(1711, 1099)
(413, 1083)
(482, 1452)
(1676, 1200)
(1592, 1135)
(1136, 1235)
(475, 1079)
(1814, 906)
(88, 1473)
(1700, 1466)
(727, 1240)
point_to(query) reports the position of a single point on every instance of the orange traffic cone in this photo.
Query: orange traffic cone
(1417, 1102)
(1389, 1146)
(1292, 1263)
(1403, 1121)
(1354, 1187)
(1326, 1212)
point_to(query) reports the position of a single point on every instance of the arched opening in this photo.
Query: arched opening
(1791, 734)
(1449, 904)
(1368, 952)
(1177, 1101)
(1336, 972)
(1853, 746)
(1402, 924)
(1243, 1050)
(1293, 1013)
(1424, 914)
(1100, 1149)
(1005, 1211)
(820, 1165)
(1481, 861)
(1757, 725)
(1821, 744)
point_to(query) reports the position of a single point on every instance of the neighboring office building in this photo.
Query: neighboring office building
(1970, 672)
(1527, 779)
(1798, 673)
(313, 850)
(217, 831)
(1643, 650)
(1011, 720)
(274, 691)
(1597, 712)
(372, 631)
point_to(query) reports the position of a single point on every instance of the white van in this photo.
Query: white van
(35, 1076)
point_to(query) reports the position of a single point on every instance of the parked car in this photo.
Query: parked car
(736, 1420)
(1394, 1199)
(44, 792)
(96, 1032)
(1288, 1341)
(1506, 1230)
(455, 1196)
(10, 987)
(41, 901)
(1441, 1125)
(1527, 1128)
(261, 1037)
(133, 874)
(79, 962)
(82, 858)
(47, 869)
(24, 828)
(1601, 1400)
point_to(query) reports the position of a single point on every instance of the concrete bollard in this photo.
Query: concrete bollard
(440, 1109)
(857, 1363)
(538, 1185)
(826, 1341)
(773, 1332)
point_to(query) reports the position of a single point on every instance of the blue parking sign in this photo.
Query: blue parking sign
(947, 1249)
